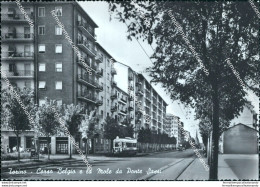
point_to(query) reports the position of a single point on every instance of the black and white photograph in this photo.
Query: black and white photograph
(130, 91)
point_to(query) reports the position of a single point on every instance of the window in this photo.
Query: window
(102, 98)
(42, 67)
(58, 67)
(108, 61)
(108, 88)
(58, 11)
(11, 67)
(41, 30)
(58, 30)
(41, 12)
(59, 102)
(27, 84)
(41, 102)
(58, 48)
(58, 85)
(42, 84)
(107, 76)
(108, 102)
(102, 113)
(41, 48)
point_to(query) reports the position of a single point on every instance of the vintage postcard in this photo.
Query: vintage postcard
(130, 91)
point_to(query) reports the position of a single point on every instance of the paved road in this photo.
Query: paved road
(150, 167)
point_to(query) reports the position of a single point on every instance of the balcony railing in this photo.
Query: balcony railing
(130, 77)
(123, 111)
(123, 99)
(86, 45)
(16, 17)
(113, 71)
(114, 96)
(131, 108)
(99, 88)
(114, 83)
(87, 28)
(99, 73)
(87, 97)
(114, 108)
(18, 55)
(99, 102)
(19, 73)
(86, 79)
(17, 36)
(99, 58)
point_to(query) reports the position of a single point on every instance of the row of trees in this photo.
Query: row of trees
(148, 136)
(49, 119)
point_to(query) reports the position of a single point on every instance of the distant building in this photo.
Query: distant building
(197, 142)
(187, 138)
(146, 107)
(242, 136)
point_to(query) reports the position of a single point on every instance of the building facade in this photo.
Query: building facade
(146, 107)
(42, 59)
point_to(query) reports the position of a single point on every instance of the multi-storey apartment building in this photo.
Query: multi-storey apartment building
(174, 130)
(147, 108)
(41, 58)
(120, 105)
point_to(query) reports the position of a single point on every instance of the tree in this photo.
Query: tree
(111, 129)
(73, 118)
(88, 128)
(17, 111)
(127, 129)
(48, 123)
(216, 31)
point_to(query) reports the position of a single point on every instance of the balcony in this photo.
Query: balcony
(140, 92)
(87, 97)
(114, 108)
(131, 108)
(114, 96)
(146, 105)
(123, 100)
(138, 82)
(12, 55)
(130, 77)
(84, 27)
(99, 58)
(84, 79)
(114, 84)
(19, 74)
(99, 102)
(124, 112)
(99, 73)
(99, 88)
(86, 47)
(12, 17)
(113, 71)
(17, 37)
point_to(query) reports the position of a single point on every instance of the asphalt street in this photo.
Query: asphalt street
(159, 166)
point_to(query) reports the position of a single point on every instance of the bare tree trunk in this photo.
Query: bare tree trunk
(17, 139)
(213, 174)
(48, 148)
(70, 150)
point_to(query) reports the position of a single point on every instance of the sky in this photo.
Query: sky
(112, 36)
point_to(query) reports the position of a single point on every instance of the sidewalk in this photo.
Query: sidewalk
(53, 160)
(231, 167)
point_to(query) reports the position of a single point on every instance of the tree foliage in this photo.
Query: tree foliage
(217, 31)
